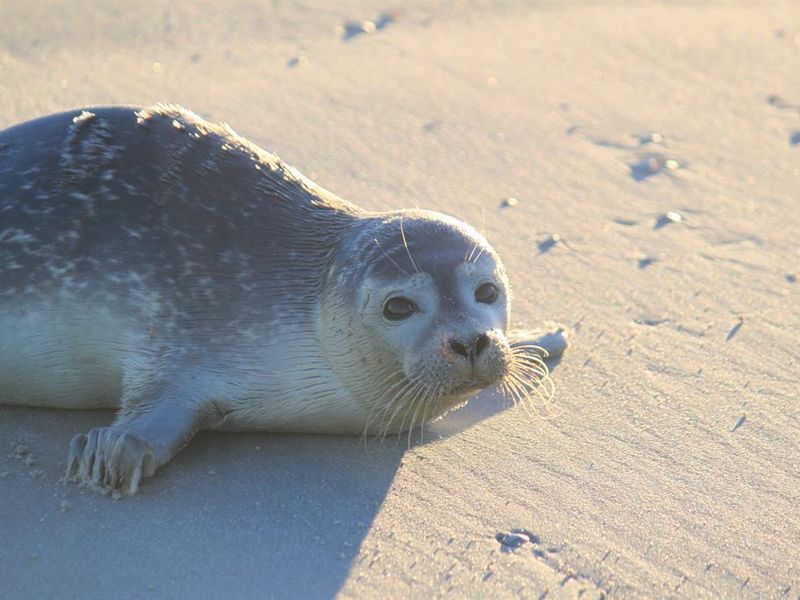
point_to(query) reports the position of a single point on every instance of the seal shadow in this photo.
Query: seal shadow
(233, 515)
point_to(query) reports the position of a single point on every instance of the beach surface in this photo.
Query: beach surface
(653, 155)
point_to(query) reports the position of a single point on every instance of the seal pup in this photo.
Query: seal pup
(158, 263)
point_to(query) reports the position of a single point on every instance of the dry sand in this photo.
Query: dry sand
(671, 468)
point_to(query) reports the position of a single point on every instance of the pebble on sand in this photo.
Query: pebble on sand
(548, 243)
(739, 422)
(509, 202)
(512, 540)
(353, 29)
(651, 137)
(668, 217)
(652, 164)
(296, 61)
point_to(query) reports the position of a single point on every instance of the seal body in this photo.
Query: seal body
(158, 263)
(136, 244)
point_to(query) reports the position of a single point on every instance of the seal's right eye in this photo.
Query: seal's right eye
(398, 308)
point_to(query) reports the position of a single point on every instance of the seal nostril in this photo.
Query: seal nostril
(459, 348)
(481, 343)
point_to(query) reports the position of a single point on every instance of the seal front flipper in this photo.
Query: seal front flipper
(115, 459)
(550, 341)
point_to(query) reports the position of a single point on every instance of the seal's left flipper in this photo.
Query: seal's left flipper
(115, 459)
(548, 342)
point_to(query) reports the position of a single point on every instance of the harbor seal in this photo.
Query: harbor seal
(164, 265)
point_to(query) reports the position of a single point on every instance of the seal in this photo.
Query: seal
(164, 265)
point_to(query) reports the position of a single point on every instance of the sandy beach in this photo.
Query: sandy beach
(653, 155)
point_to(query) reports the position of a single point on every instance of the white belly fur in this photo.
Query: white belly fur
(50, 357)
(57, 357)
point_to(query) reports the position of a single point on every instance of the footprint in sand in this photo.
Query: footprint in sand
(517, 538)
(646, 163)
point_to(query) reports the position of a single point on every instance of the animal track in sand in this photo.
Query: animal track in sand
(647, 261)
(22, 453)
(781, 104)
(517, 538)
(645, 163)
(550, 565)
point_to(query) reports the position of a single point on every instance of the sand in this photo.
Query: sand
(654, 155)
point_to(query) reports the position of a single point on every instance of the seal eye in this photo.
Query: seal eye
(487, 293)
(398, 308)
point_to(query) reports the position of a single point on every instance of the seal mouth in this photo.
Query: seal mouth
(472, 384)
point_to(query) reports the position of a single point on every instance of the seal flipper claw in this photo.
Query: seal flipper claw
(76, 447)
(108, 460)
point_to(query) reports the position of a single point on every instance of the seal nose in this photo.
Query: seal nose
(472, 348)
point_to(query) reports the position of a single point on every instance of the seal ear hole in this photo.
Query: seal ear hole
(487, 293)
(399, 308)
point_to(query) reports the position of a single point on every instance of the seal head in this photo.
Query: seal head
(421, 303)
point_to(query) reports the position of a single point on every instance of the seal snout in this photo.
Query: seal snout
(471, 347)
(474, 359)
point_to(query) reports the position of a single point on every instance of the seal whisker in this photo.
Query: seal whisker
(527, 375)
(518, 393)
(393, 261)
(405, 245)
(371, 417)
(434, 395)
(534, 378)
(379, 407)
(394, 404)
(538, 370)
(393, 374)
(543, 389)
(525, 357)
(534, 371)
(527, 348)
(504, 392)
(469, 251)
(420, 402)
(408, 403)
(547, 404)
